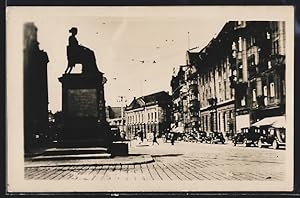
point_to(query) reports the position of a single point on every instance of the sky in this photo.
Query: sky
(136, 47)
(136, 54)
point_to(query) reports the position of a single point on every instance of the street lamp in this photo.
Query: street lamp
(122, 100)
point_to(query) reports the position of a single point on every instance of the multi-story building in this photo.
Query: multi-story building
(260, 77)
(216, 65)
(239, 78)
(35, 89)
(179, 110)
(192, 83)
(149, 114)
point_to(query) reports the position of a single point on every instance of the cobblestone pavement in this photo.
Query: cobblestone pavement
(182, 161)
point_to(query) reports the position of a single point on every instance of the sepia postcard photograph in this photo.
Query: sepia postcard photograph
(150, 99)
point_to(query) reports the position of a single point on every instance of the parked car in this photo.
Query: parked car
(247, 137)
(271, 136)
(215, 138)
(202, 136)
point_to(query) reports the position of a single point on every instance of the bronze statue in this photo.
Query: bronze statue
(79, 54)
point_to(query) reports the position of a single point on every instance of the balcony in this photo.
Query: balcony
(193, 82)
(212, 101)
(194, 105)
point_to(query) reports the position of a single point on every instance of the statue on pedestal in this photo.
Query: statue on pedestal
(78, 54)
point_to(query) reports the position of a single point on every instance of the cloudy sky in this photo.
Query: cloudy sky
(136, 47)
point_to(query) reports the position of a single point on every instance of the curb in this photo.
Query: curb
(144, 159)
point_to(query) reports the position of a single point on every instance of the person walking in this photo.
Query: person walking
(173, 138)
(141, 136)
(154, 138)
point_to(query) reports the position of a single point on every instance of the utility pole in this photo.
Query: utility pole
(122, 98)
(188, 40)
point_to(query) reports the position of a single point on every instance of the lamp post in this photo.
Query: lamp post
(122, 100)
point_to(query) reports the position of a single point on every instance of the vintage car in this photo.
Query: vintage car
(271, 136)
(215, 138)
(177, 132)
(201, 136)
(272, 131)
(247, 137)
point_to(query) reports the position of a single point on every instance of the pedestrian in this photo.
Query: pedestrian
(173, 138)
(154, 138)
(141, 136)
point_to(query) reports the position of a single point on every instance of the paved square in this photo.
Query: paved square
(182, 161)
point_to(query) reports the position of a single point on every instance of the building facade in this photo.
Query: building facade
(179, 111)
(235, 81)
(35, 90)
(216, 65)
(148, 114)
(260, 64)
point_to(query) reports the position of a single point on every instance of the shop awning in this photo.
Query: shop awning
(276, 121)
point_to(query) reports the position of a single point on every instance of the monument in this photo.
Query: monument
(83, 103)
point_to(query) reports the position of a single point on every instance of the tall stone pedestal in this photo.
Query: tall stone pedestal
(83, 108)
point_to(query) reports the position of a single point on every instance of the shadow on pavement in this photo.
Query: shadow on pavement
(167, 155)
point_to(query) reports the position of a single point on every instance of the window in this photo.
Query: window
(233, 46)
(240, 43)
(265, 91)
(254, 95)
(240, 71)
(269, 65)
(272, 89)
(243, 101)
(266, 95)
(224, 120)
(251, 60)
(155, 115)
(268, 35)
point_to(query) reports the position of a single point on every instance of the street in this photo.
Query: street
(182, 161)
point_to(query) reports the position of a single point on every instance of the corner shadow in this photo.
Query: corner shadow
(167, 155)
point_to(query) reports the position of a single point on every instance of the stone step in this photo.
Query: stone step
(71, 157)
(74, 151)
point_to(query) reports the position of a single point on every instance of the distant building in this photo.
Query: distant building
(179, 111)
(192, 80)
(148, 113)
(35, 89)
(114, 117)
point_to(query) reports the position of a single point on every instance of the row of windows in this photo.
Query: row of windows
(139, 117)
(222, 121)
(265, 93)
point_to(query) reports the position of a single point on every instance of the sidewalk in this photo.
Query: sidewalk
(131, 159)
